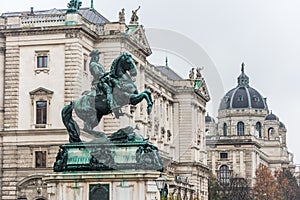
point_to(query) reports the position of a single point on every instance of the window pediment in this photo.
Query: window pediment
(41, 93)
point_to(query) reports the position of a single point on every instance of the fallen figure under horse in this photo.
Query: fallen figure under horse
(93, 105)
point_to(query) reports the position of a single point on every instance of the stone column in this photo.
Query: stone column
(234, 162)
(213, 162)
(242, 167)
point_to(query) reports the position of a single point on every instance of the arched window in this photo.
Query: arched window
(240, 129)
(224, 129)
(270, 132)
(258, 129)
(224, 174)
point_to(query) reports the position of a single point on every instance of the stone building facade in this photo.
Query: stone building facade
(44, 65)
(245, 135)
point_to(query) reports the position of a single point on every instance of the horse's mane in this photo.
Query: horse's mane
(114, 65)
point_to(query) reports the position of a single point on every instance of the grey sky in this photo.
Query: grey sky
(263, 34)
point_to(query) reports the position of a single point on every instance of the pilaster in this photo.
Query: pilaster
(2, 56)
(73, 71)
(11, 87)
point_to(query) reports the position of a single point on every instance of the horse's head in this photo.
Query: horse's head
(129, 64)
(122, 64)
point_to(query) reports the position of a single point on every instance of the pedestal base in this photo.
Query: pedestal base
(105, 185)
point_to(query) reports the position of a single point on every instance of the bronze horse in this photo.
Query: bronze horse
(92, 106)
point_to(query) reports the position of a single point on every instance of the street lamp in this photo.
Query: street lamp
(160, 184)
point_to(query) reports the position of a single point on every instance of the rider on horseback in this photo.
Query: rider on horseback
(101, 79)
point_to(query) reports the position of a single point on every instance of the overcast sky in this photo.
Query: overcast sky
(263, 34)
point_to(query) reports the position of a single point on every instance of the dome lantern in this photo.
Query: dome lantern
(243, 79)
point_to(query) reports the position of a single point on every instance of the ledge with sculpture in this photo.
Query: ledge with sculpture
(124, 149)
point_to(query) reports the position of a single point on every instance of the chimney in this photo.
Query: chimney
(31, 10)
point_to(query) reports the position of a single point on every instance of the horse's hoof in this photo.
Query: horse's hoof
(149, 109)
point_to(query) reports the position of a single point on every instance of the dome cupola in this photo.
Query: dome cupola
(271, 116)
(243, 96)
(209, 118)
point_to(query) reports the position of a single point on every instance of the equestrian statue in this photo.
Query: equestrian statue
(110, 91)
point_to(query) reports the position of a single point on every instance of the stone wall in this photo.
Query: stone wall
(19, 173)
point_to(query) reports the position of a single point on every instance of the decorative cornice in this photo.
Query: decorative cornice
(70, 30)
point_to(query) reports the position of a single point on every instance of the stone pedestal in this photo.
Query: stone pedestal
(105, 185)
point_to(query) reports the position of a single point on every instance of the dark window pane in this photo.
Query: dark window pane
(40, 159)
(41, 112)
(258, 129)
(223, 155)
(99, 192)
(42, 61)
(240, 129)
(84, 64)
(225, 129)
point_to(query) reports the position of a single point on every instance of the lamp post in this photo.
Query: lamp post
(160, 184)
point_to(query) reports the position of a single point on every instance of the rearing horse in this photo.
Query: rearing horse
(91, 108)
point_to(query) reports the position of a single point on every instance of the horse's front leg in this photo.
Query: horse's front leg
(137, 98)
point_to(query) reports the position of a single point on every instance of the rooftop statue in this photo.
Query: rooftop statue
(134, 18)
(122, 16)
(110, 91)
(73, 6)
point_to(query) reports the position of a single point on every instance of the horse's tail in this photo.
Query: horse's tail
(70, 123)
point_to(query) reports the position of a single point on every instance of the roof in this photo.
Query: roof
(271, 117)
(93, 16)
(169, 73)
(89, 14)
(209, 119)
(243, 96)
(281, 125)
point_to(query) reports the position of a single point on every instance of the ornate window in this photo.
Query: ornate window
(258, 129)
(225, 129)
(40, 159)
(42, 61)
(240, 129)
(40, 100)
(224, 175)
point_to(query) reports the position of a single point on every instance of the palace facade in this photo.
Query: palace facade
(44, 58)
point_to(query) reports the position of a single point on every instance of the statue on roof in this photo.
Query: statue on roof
(198, 73)
(74, 6)
(122, 16)
(192, 74)
(134, 18)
